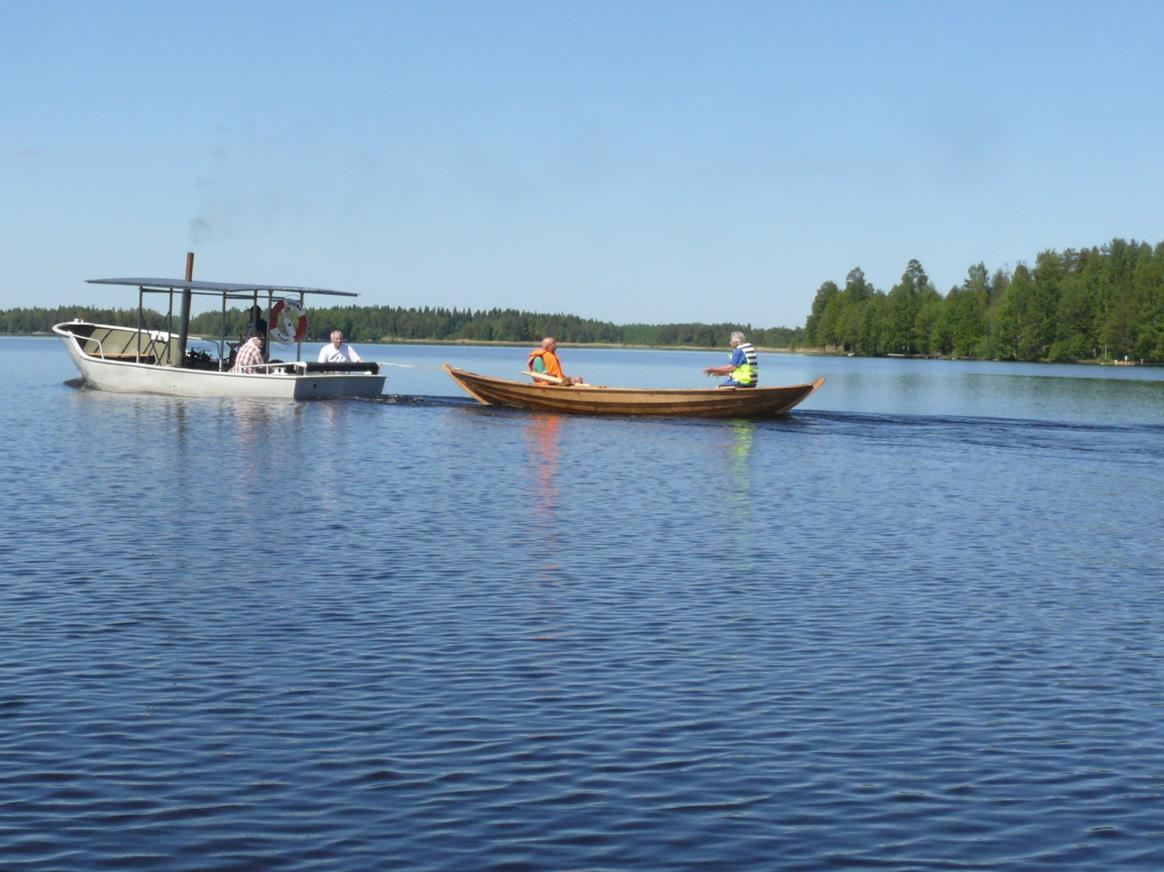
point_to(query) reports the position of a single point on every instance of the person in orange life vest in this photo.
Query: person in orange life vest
(545, 359)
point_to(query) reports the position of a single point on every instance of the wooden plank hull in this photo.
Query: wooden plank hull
(588, 400)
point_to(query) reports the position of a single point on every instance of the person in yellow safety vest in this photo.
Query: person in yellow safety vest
(545, 360)
(744, 369)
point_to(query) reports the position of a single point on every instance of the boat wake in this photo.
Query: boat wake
(431, 402)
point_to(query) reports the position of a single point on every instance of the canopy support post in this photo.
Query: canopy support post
(222, 338)
(140, 303)
(169, 328)
(299, 344)
(184, 326)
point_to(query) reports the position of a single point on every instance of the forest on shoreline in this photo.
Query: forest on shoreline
(1104, 302)
(428, 324)
(1095, 303)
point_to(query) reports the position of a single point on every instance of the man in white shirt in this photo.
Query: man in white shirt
(337, 351)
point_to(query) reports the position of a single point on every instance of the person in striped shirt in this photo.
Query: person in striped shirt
(250, 356)
(744, 369)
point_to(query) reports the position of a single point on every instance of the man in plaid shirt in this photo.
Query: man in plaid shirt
(250, 356)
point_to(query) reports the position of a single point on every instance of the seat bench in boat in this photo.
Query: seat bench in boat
(129, 356)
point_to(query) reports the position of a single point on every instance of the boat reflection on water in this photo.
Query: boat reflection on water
(739, 457)
(741, 450)
(262, 446)
(543, 609)
(252, 424)
(542, 435)
(329, 464)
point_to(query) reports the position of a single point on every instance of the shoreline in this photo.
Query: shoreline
(503, 343)
(808, 352)
(1095, 361)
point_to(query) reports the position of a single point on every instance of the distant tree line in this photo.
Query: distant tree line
(1101, 302)
(387, 323)
(40, 320)
(395, 323)
(1104, 302)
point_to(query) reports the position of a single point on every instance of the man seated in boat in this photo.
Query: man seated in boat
(337, 351)
(250, 356)
(744, 369)
(544, 361)
(256, 323)
(256, 326)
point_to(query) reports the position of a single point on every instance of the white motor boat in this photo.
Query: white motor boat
(141, 360)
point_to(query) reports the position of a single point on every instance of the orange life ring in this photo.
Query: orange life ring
(288, 322)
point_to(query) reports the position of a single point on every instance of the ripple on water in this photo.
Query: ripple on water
(464, 638)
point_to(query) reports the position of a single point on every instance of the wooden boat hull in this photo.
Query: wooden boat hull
(589, 400)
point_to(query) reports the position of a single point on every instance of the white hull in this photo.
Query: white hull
(129, 377)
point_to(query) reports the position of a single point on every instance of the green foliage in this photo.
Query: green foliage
(1101, 302)
(1104, 302)
(41, 320)
(432, 324)
(816, 328)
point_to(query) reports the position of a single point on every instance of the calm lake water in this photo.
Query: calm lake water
(918, 624)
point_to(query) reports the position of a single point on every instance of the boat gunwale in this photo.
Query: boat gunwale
(709, 403)
(273, 374)
(573, 390)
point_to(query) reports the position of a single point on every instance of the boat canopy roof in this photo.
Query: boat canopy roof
(216, 288)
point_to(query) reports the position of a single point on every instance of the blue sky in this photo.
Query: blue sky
(628, 161)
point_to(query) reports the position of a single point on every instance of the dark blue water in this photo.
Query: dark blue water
(915, 625)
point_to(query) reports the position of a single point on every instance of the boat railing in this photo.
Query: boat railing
(156, 349)
(278, 366)
(161, 346)
(305, 367)
(109, 334)
(90, 338)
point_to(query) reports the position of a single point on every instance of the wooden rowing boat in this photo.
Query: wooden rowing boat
(594, 400)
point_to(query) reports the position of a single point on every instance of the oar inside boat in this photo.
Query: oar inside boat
(543, 376)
